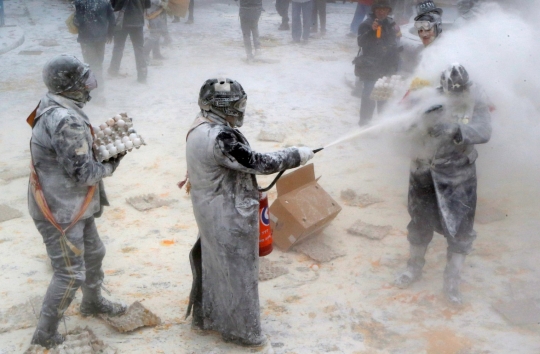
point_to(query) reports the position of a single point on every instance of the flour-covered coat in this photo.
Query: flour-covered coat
(443, 181)
(225, 197)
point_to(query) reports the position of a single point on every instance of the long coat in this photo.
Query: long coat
(449, 167)
(225, 197)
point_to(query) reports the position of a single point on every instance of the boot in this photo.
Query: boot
(46, 333)
(141, 75)
(259, 341)
(413, 272)
(284, 26)
(452, 277)
(94, 304)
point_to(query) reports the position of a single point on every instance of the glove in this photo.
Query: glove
(113, 163)
(306, 154)
(444, 129)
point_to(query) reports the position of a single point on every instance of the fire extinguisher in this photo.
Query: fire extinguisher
(265, 231)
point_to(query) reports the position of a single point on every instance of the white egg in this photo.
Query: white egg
(110, 122)
(132, 136)
(107, 131)
(125, 139)
(104, 154)
(120, 123)
(100, 134)
(102, 148)
(121, 147)
(129, 144)
(117, 117)
(109, 146)
(315, 267)
(113, 151)
(102, 126)
(137, 142)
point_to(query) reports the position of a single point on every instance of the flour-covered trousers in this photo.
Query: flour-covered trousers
(71, 271)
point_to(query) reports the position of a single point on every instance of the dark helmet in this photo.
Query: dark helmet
(377, 4)
(223, 97)
(427, 6)
(465, 6)
(65, 73)
(455, 79)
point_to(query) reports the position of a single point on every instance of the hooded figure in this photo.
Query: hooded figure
(442, 183)
(65, 194)
(225, 197)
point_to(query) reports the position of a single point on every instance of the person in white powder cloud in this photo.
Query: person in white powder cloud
(442, 183)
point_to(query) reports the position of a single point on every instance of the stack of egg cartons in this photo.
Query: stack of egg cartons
(116, 136)
(386, 86)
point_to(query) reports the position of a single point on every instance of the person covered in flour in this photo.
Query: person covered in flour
(225, 196)
(442, 182)
(66, 194)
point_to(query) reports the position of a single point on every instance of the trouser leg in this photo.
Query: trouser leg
(322, 15)
(296, 21)
(306, 19)
(191, 8)
(120, 37)
(282, 7)
(246, 33)
(94, 252)
(367, 105)
(255, 30)
(137, 39)
(165, 29)
(94, 54)
(314, 15)
(359, 14)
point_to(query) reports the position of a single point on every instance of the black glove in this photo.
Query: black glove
(115, 161)
(444, 129)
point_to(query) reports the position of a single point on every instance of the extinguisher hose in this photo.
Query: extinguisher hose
(281, 174)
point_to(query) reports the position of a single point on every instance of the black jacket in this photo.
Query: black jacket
(94, 19)
(134, 11)
(257, 4)
(381, 53)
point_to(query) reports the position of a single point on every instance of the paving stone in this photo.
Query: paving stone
(373, 232)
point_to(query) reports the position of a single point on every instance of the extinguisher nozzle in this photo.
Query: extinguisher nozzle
(317, 150)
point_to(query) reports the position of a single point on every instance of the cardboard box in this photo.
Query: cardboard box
(302, 208)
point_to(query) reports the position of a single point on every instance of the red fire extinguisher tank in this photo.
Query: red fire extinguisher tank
(265, 232)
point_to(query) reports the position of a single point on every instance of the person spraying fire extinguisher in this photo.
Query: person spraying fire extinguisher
(226, 203)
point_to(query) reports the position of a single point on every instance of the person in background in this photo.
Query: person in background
(442, 181)
(156, 26)
(222, 171)
(301, 20)
(250, 12)
(129, 22)
(95, 21)
(378, 39)
(362, 9)
(191, 8)
(319, 13)
(282, 7)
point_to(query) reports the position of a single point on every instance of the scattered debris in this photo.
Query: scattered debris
(519, 312)
(21, 316)
(136, 316)
(317, 250)
(271, 134)
(49, 42)
(373, 232)
(487, 215)
(30, 52)
(14, 173)
(363, 200)
(270, 270)
(148, 201)
(522, 289)
(8, 213)
(77, 341)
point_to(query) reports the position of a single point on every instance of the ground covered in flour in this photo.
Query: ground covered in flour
(344, 302)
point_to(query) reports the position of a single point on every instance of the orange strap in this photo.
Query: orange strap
(39, 197)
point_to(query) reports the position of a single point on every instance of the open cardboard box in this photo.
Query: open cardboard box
(302, 208)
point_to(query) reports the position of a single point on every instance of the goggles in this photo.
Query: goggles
(424, 25)
(90, 82)
(240, 105)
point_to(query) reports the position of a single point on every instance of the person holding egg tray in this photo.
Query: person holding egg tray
(66, 193)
